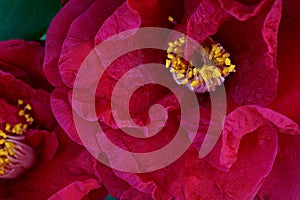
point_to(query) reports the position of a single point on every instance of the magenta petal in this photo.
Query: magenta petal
(253, 45)
(80, 38)
(63, 113)
(193, 178)
(283, 181)
(56, 35)
(287, 101)
(247, 119)
(124, 18)
(206, 22)
(76, 190)
(242, 11)
(117, 187)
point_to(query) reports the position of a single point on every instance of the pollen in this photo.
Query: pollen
(200, 79)
(20, 102)
(15, 155)
(172, 20)
(28, 107)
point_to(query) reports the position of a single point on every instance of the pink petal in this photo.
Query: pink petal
(56, 35)
(76, 190)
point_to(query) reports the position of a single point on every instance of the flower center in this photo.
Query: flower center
(199, 79)
(15, 155)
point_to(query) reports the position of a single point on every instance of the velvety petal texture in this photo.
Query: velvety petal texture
(283, 181)
(250, 146)
(21, 78)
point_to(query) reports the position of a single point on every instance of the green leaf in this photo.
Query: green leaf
(110, 198)
(26, 19)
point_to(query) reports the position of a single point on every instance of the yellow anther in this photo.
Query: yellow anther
(170, 56)
(171, 19)
(3, 153)
(169, 50)
(211, 55)
(185, 81)
(2, 141)
(195, 83)
(227, 61)
(172, 70)
(21, 113)
(190, 74)
(216, 74)
(195, 71)
(225, 55)
(2, 134)
(227, 70)
(168, 63)
(177, 50)
(25, 126)
(214, 47)
(171, 44)
(30, 120)
(220, 59)
(218, 50)
(20, 102)
(7, 127)
(181, 71)
(18, 129)
(180, 76)
(182, 40)
(231, 68)
(206, 72)
(2, 172)
(28, 107)
(9, 148)
(27, 116)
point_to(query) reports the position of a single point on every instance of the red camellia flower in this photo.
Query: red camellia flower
(258, 145)
(37, 159)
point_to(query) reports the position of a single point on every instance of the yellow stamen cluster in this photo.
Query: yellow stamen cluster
(7, 147)
(221, 58)
(201, 79)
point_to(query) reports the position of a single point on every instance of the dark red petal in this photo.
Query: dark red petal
(283, 181)
(206, 20)
(288, 98)
(241, 10)
(24, 60)
(194, 178)
(46, 142)
(76, 190)
(156, 13)
(252, 45)
(80, 38)
(247, 119)
(13, 89)
(117, 187)
(56, 35)
(63, 112)
(47, 178)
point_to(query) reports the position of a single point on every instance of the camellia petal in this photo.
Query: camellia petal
(39, 151)
(56, 33)
(253, 50)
